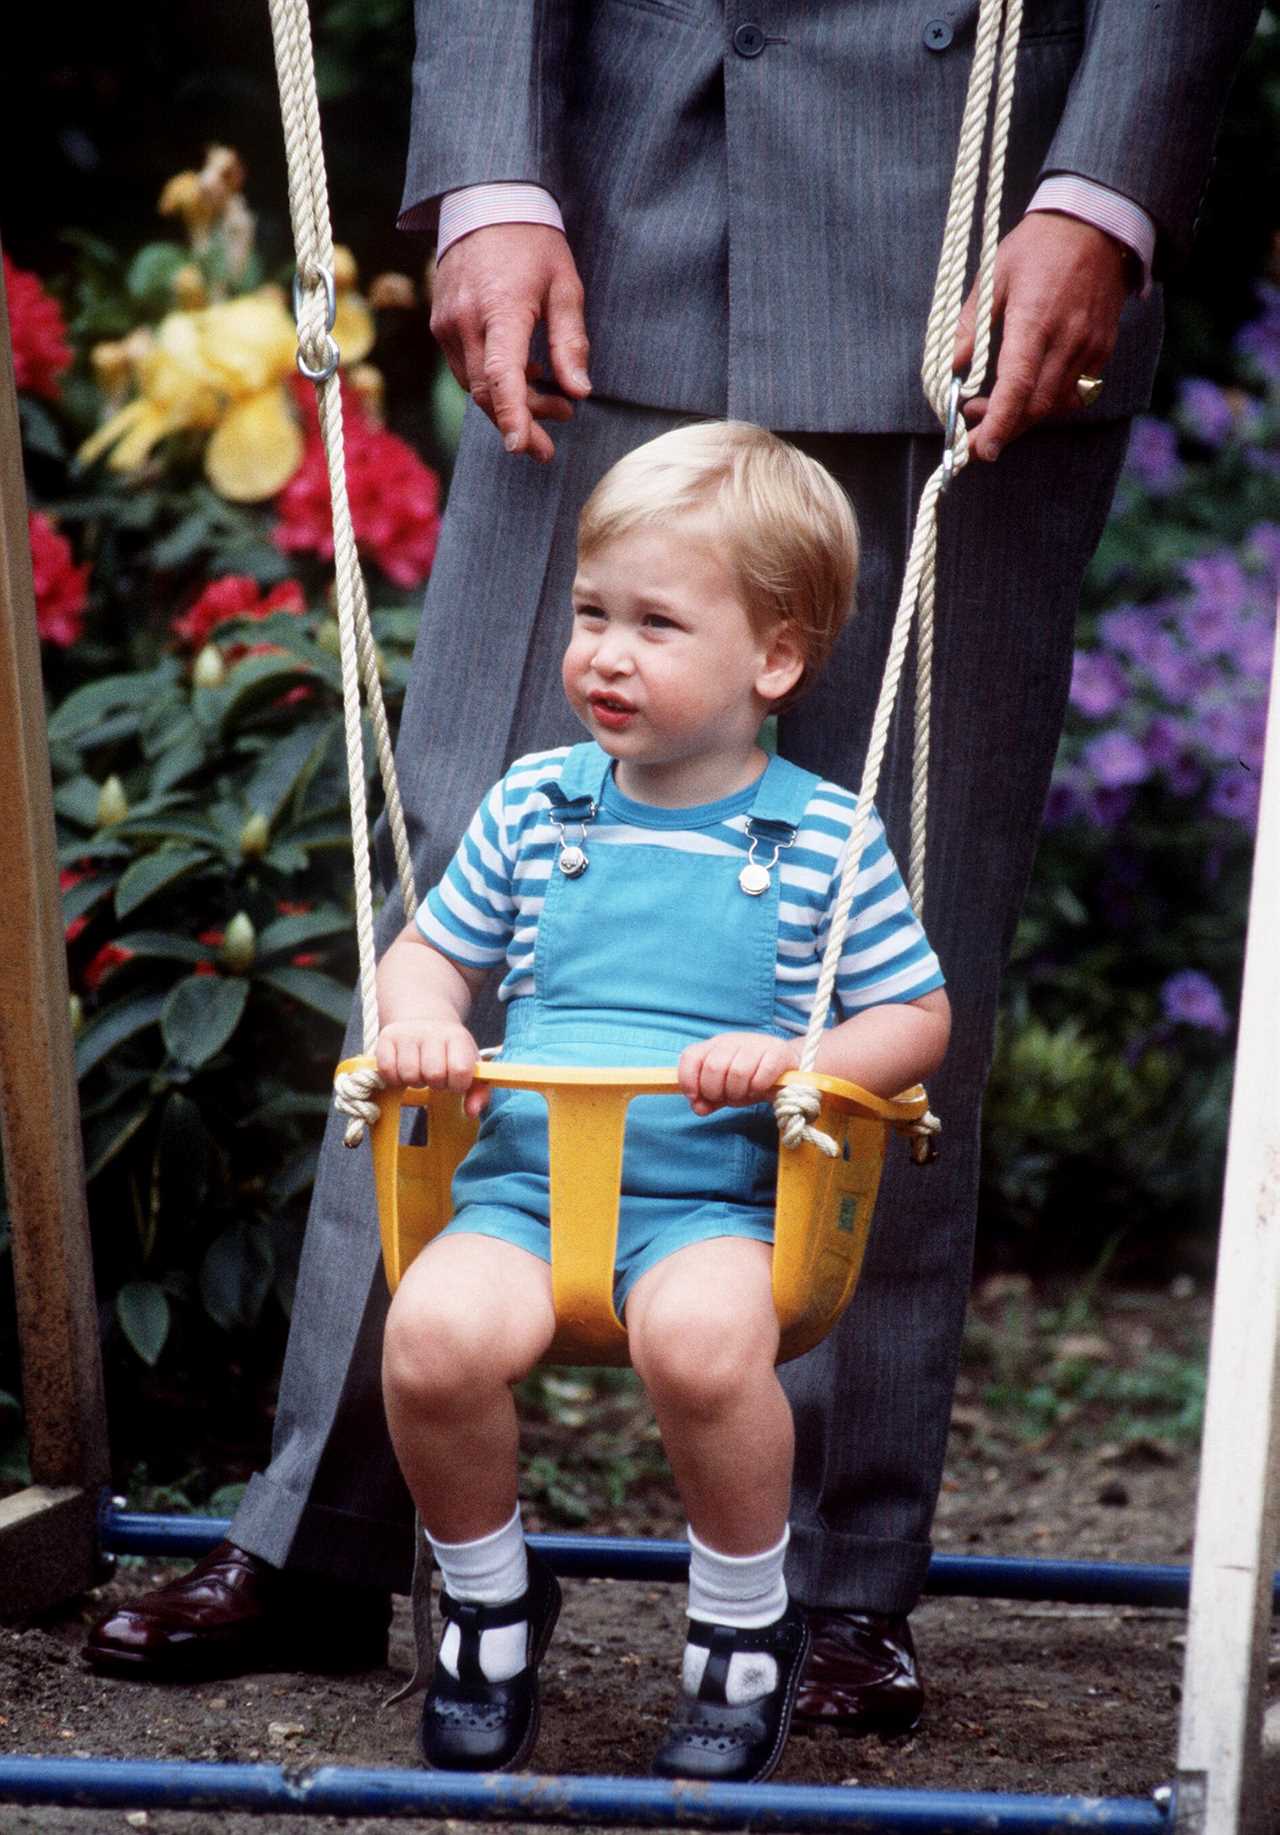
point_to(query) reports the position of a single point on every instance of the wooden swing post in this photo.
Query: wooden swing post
(47, 1531)
(1220, 1782)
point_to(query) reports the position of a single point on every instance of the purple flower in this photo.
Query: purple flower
(1184, 776)
(1208, 628)
(1064, 802)
(1115, 760)
(1205, 411)
(1098, 684)
(1129, 630)
(1260, 341)
(1152, 460)
(1254, 649)
(1220, 581)
(1164, 742)
(1235, 795)
(1264, 547)
(1191, 997)
(1178, 675)
(1224, 730)
(1109, 808)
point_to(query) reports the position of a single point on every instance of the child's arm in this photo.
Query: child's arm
(885, 1049)
(423, 1002)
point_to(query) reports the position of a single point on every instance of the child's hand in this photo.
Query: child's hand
(735, 1068)
(431, 1054)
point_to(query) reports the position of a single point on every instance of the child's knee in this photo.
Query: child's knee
(693, 1355)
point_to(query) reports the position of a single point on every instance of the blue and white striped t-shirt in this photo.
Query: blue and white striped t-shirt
(485, 910)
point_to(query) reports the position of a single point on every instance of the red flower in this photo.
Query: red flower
(62, 588)
(394, 497)
(40, 349)
(294, 907)
(212, 939)
(68, 877)
(307, 959)
(234, 596)
(109, 957)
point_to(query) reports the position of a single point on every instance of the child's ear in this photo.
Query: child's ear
(782, 664)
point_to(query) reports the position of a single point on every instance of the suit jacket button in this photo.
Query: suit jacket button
(938, 35)
(748, 41)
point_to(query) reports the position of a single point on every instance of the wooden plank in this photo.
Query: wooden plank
(1220, 1787)
(48, 1547)
(39, 1110)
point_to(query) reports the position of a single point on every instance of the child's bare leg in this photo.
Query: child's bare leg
(704, 1337)
(470, 1318)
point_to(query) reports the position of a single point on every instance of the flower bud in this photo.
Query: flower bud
(240, 943)
(255, 839)
(391, 292)
(184, 197)
(366, 380)
(329, 637)
(112, 368)
(209, 670)
(189, 289)
(345, 271)
(76, 1013)
(113, 804)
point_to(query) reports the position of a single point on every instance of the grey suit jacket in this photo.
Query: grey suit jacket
(755, 191)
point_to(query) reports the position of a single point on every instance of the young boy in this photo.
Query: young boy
(661, 894)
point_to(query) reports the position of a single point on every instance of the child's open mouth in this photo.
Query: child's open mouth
(612, 711)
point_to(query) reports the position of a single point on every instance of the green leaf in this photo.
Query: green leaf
(84, 895)
(77, 800)
(143, 1311)
(150, 276)
(200, 1015)
(40, 432)
(163, 945)
(87, 706)
(183, 1153)
(312, 989)
(183, 542)
(255, 682)
(236, 1274)
(113, 1026)
(289, 933)
(277, 775)
(185, 756)
(176, 825)
(107, 1137)
(154, 872)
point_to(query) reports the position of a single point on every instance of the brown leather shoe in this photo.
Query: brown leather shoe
(862, 1675)
(234, 1613)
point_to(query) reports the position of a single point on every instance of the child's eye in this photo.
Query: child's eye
(590, 614)
(656, 621)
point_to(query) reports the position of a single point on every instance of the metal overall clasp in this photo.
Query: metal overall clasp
(573, 859)
(756, 877)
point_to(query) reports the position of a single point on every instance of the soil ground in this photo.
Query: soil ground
(1067, 1441)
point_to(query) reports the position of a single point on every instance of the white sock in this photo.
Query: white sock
(746, 1591)
(487, 1572)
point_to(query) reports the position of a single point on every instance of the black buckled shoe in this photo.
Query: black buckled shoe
(717, 1742)
(470, 1723)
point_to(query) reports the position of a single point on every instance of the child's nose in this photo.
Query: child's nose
(613, 654)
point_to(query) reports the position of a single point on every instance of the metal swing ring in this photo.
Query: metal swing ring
(949, 435)
(332, 355)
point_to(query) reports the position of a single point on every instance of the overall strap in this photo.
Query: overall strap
(581, 782)
(783, 793)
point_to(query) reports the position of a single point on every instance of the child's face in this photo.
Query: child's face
(663, 666)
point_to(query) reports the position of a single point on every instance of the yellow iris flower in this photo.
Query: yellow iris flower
(222, 369)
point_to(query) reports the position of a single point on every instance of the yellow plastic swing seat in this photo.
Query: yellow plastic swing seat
(823, 1208)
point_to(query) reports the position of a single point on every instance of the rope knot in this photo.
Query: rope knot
(923, 1137)
(353, 1093)
(794, 1107)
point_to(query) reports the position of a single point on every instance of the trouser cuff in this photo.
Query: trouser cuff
(339, 1545)
(849, 1573)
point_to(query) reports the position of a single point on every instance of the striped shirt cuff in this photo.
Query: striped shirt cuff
(1106, 210)
(476, 206)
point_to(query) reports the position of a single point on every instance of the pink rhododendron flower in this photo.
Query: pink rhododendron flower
(62, 588)
(109, 957)
(394, 497)
(40, 349)
(234, 596)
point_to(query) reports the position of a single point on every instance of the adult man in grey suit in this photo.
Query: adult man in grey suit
(751, 199)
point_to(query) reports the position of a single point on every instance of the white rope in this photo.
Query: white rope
(994, 66)
(313, 241)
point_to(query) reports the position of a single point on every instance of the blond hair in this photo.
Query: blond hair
(789, 529)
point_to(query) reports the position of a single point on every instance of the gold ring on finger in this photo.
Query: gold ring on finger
(1088, 388)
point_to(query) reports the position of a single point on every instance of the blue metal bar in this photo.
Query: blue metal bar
(332, 1790)
(627, 1558)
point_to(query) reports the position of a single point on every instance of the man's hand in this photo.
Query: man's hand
(431, 1054)
(734, 1068)
(1060, 285)
(491, 288)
